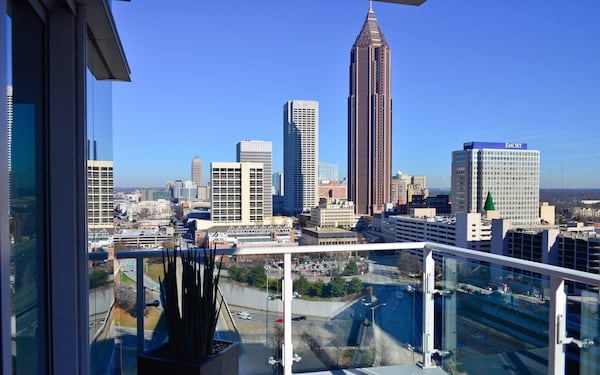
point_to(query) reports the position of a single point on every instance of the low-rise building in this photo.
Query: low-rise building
(470, 231)
(332, 189)
(327, 236)
(337, 214)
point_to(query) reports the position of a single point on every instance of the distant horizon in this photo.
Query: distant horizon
(429, 188)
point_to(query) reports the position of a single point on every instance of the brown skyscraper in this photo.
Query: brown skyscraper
(370, 120)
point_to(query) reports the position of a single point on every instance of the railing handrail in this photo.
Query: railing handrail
(493, 259)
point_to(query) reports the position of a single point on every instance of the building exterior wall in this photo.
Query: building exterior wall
(237, 192)
(278, 183)
(100, 195)
(300, 155)
(370, 120)
(259, 152)
(464, 230)
(332, 189)
(509, 171)
(328, 236)
(328, 172)
(333, 216)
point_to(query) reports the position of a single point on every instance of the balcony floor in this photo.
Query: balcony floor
(388, 370)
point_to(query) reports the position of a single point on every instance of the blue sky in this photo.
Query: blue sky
(207, 74)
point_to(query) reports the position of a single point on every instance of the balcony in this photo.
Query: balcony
(402, 308)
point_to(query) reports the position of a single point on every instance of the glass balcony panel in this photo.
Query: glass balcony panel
(356, 310)
(492, 318)
(583, 324)
(125, 316)
(101, 311)
(252, 315)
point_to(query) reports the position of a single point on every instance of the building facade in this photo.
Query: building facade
(100, 195)
(327, 236)
(328, 172)
(469, 231)
(574, 246)
(509, 171)
(332, 190)
(277, 183)
(333, 215)
(259, 152)
(370, 120)
(404, 187)
(197, 171)
(237, 192)
(300, 155)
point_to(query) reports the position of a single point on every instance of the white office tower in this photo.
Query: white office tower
(237, 193)
(509, 172)
(259, 152)
(300, 155)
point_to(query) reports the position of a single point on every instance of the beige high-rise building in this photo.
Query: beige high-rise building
(237, 192)
(197, 171)
(370, 120)
(100, 195)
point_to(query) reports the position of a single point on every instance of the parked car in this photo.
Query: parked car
(244, 315)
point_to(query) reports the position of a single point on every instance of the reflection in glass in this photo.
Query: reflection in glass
(26, 190)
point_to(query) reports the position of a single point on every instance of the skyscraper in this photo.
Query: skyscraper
(300, 155)
(370, 120)
(197, 171)
(509, 172)
(259, 152)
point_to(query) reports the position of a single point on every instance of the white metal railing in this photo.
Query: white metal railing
(557, 275)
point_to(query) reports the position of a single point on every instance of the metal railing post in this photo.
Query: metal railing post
(287, 350)
(428, 306)
(140, 302)
(557, 326)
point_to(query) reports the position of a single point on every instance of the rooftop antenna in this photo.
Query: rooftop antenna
(370, 5)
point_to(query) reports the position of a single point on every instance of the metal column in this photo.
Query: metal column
(428, 306)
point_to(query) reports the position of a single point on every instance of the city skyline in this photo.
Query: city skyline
(463, 72)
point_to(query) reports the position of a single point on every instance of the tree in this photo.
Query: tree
(351, 268)
(337, 286)
(302, 285)
(355, 286)
(239, 274)
(316, 289)
(257, 277)
(98, 278)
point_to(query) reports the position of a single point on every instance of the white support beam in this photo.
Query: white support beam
(428, 306)
(557, 327)
(287, 350)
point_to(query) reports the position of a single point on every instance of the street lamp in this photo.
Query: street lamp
(373, 308)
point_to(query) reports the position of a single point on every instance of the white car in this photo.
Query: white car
(244, 315)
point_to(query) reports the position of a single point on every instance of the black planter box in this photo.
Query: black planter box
(158, 362)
